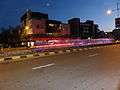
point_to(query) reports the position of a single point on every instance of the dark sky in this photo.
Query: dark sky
(11, 10)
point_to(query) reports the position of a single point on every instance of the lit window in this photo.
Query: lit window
(51, 25)
(26, 27)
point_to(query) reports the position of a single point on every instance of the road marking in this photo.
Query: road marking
(48, 65)
(85, 48)
(74, 50)
(31, 55)
(68, 51)
(52, 53)
(80, 49)
(15, 57)
(93, 55)
(98, 47)
(41, 54)
(90, 48)
(61, 52)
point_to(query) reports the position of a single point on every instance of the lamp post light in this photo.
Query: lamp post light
(109, 12)
(117, 10)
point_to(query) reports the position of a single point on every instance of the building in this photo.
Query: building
(89, 29)
(37, 26)
(116, 31)
(33, 24)
(65, 30)
(117, 23)
(54, 27)
(74, 24)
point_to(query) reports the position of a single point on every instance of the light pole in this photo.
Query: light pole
(117, 10)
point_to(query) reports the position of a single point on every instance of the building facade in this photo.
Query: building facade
(89, 30)
(74, 24)
(37, 26)
(54, 27)
(117, 23)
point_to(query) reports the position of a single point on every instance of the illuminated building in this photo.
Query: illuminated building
(34, 23)
(54, 27)
(37, 27)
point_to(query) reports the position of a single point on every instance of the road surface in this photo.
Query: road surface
(89, 69)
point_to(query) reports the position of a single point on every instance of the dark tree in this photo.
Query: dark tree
(116, 34)
(10, 37)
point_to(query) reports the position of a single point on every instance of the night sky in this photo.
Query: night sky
(11, 10)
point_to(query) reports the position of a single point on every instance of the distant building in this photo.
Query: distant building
(65, 30)
(53, 27)
(74, 24)
(117, 23)
(89, 29)
(116, 31)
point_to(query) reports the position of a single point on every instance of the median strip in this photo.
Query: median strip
(45, 54)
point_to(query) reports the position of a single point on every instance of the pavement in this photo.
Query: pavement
(96, 68)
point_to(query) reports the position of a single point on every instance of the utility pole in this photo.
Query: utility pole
(118, 9)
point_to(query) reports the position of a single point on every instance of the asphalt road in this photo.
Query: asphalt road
(88, 69)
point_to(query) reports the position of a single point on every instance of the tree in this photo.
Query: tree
(10, 37)
(116, 34)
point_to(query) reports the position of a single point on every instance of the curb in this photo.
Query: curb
(15, 58)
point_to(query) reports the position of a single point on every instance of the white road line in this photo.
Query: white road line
(80, 49)
(68, 51)
(93, 55)
(74, 50)
(98, 47)
(48, 65)
(61, 52)
(85, 48)
(90, 48)
(52, 53)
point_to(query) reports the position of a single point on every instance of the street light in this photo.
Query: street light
(109, 12)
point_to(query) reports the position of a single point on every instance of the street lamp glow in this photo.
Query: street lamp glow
(109, 12)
